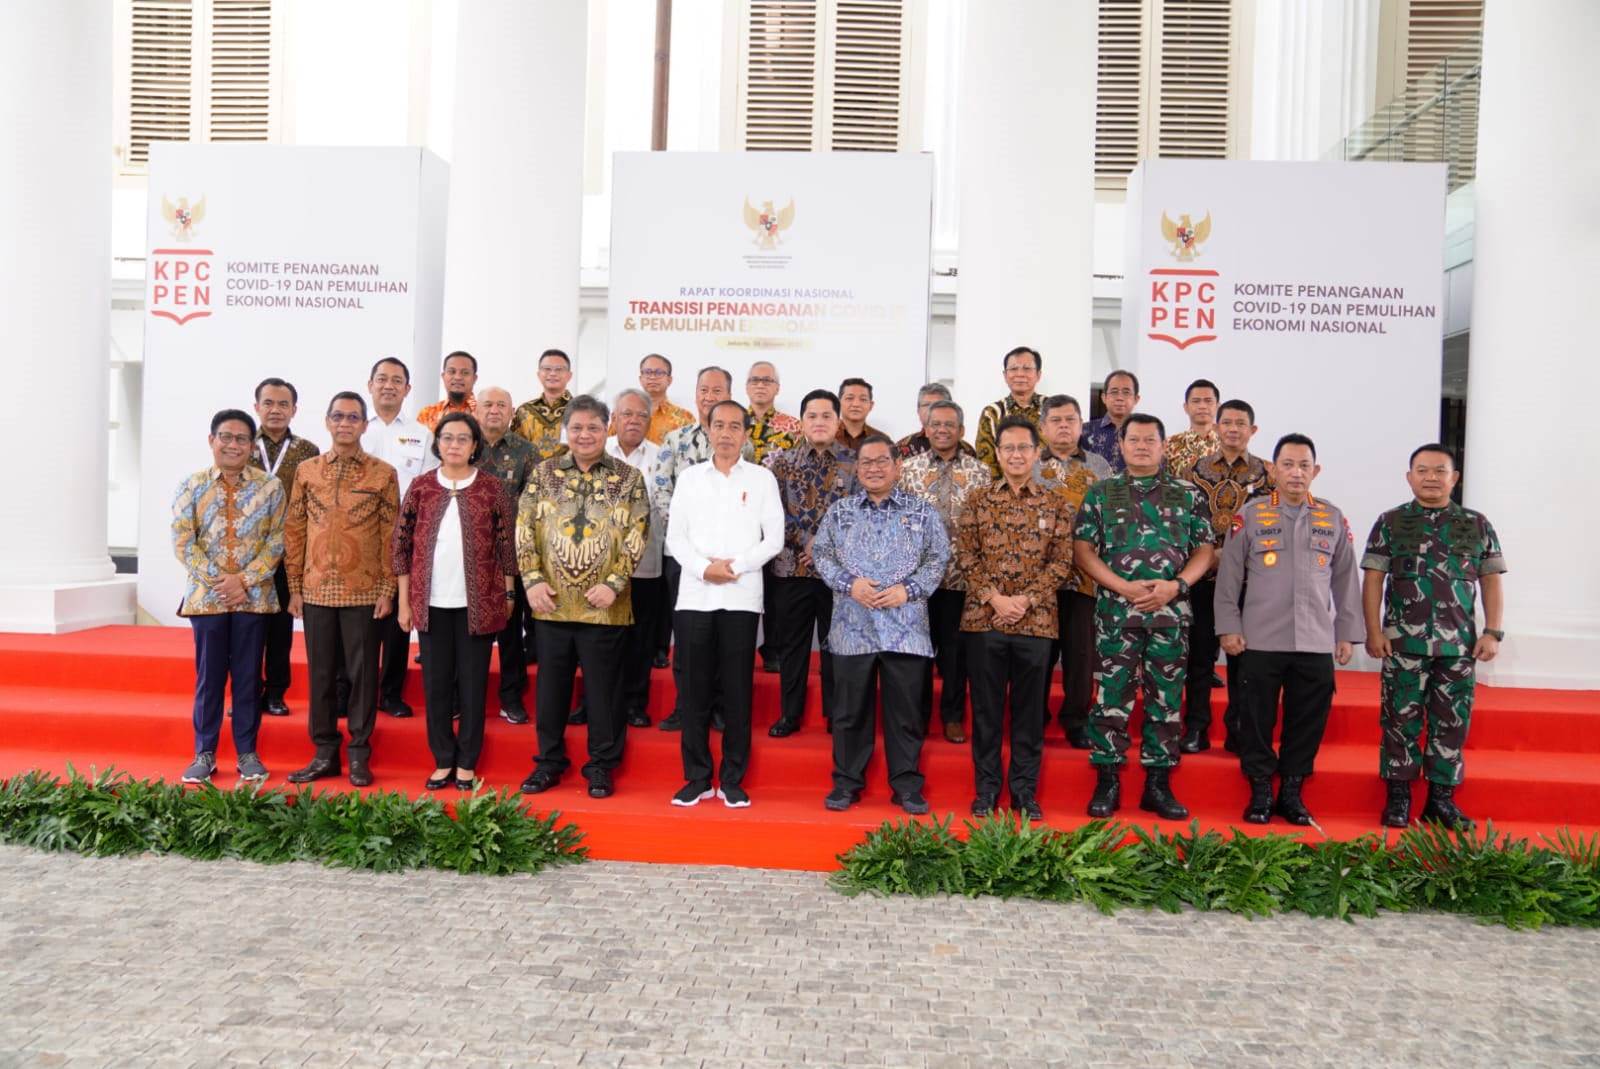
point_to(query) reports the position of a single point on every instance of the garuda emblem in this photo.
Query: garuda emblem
(768, 223)
(1185, 235)
(181, 217)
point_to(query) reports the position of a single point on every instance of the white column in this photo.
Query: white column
(1314, 75)
(1026, 152)
(516, 187)
(55, 303)
(1531, 451)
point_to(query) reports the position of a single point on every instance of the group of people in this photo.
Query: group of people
(617, 538)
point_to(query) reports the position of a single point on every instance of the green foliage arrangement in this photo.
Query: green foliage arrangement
(110, 814)
(1486, 875)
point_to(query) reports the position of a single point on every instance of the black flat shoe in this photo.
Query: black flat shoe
(673, 722)
(439, 783)
(468, 785)
(638, 719)
(783, 729)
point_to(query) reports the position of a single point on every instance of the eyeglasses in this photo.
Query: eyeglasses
(553, 369)
(1013, 449)
(654, 373)
(761, 380)
(227, 438)
(346, 417)
(876, 462)
(456, 439)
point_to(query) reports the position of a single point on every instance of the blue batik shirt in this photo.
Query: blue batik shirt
(902, 540)
(1100, 437)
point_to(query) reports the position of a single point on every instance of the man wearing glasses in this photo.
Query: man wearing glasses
(1022, 366)
(655, 375)
(770, 431)
(539, 420)
(1121, 396)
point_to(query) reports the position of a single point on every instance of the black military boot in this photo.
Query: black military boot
(1259, 811)
(1157, 797)
(1441, 808)
(1289, 806)
(1107, 791)
(1397, 811)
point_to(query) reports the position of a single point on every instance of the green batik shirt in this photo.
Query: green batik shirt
(1434, 559)
(1144, 527)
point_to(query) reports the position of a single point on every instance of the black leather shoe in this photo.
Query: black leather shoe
(1195, 740)
(674, 722)
(319, 768)
(439, 783)
(839, 799)
(1107, 797)
(913, 803)
(580, 715)
(1157, 797)
(1259, 809)
(276, 708)
(1397, 808)
(397, 709)
(469, 785)
(360, 774)
(638, 719)
(1441, 808)
(783, 729)
(539, 781)
(1290, 806)
(1029, 805)
(1078, 739)
(983, 805)
(1216, 680)
(771, 665)
(514, 716)
(660, 661)
(600, 785)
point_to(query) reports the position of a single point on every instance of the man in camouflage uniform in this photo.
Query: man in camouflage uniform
(1435, 554)
(1144, 537)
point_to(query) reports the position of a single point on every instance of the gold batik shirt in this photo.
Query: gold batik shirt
(577, 529)
(539, 421)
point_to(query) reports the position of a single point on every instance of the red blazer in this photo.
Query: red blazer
(488, 533)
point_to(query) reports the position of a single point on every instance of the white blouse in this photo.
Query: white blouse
(449, 587)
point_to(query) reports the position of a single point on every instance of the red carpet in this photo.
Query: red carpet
(121, 696)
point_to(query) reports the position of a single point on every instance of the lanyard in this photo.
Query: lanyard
(273, 466)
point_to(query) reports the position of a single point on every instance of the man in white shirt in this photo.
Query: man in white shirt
(726, 521)
(630, 416)
(398, 439)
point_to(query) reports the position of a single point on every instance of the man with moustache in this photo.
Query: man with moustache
(509, 458)
(460, 377)
(278, 452)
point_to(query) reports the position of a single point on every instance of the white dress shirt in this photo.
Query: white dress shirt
(644, 458)
(403, 442)
(736, 516)
(449, 587)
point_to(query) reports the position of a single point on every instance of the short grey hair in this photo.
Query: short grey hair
(961, 417)
(484, 391)
(634, 391)
(933, 389)
(586, 403)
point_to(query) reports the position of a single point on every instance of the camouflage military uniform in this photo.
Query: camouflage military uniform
(1434, 559)
(1144, 527)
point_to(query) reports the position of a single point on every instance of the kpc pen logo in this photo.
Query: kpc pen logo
(1183, 299)
(180, 276)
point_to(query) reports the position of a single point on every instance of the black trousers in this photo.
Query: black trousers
(674, 571)
(805, 608)
(639, 643)
(394, 660)
(1203, 648)
(563, 649)
(343, 641)
(1017, 664)
(1305, 683)
(901, 676)
(769, 619)
(279, 641)
(949, 656)
(717, 650)
(455, 675)
(671, 571)
(513, 653)
(1074, 648)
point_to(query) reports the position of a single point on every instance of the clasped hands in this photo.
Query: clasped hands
(542, 597)
(1148, 595)
(873, 595)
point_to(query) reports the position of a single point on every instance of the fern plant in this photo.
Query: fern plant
(910, 857)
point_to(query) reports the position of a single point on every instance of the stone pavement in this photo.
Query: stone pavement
(162, 961)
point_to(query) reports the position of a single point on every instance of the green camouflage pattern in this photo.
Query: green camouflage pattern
(1143, 527)
(1438, 689)
(1433, 559)
(1127, 655)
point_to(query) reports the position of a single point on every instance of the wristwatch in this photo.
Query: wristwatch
(1495, 633)
(1183, 587)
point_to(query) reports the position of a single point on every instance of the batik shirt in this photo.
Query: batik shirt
(1434, 559)
(853, 442)
(430, 416)
(511, 461)
(810, 480)
(221, 528)
(900, 540)
(664, 418)
(1226, 486)
(915, 444)
(681, 449)
(1014, 542)
(539, 421)
(989, 422)
(577, 529)
(1144, 527)
(945, 484)
(1100, 436)
(770, 434)
(1071, 478)
(339, 530)
(1186, 447)
(280, 459)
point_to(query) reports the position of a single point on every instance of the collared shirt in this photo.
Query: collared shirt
(898, 541)
(680, 450)
(1071, 477)
(989, 422)
(1186, 447)
(644, 459)
(1301, 585)
(539, 421)
(221, 528)
(945, 484)
(1434, 559)
(403, 444)
(809, 481)
(1143, 527)
(339, 530)
(738, 517)
(430, 416)
(1226, 485)
(279, 459)
(1100, 436)
(914, 444)
(772, 432)
(577, 529)
(664, 417)
(511, 461)
(853, 441)
(1014, 542)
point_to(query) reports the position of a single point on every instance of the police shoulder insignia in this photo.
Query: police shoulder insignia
(1237, 525)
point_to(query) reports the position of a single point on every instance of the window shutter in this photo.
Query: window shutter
(161, 82)
(1195, 74)
(780, 75)
(1444, 40)
(868, 49)
(241, 70)
(1119, 90)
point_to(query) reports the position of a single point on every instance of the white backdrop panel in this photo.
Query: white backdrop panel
(839, 289)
